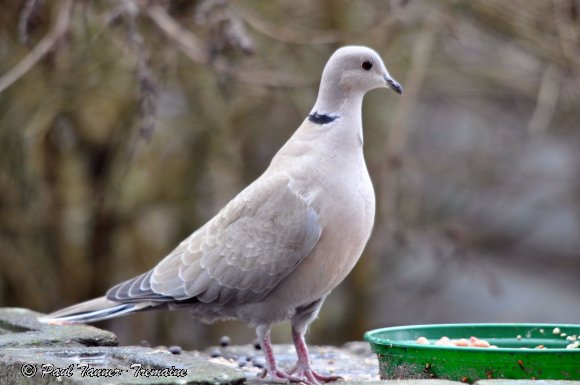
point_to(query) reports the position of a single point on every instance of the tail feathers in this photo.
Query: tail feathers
(97, 309)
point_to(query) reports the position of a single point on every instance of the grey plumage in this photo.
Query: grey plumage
(238, 256)
(278, 248)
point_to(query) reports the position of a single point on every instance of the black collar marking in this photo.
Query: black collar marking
(321, 119)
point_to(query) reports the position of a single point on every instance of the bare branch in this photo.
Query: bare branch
(147, 84)
(28, 11)
(520, 21)
(568, 32)
(190, 45)
(225, 26)
(285, 34)
(186, 40)
(548, 95)
(399, 132)
(42, 48)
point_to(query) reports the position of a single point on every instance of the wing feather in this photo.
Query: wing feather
(240, 255)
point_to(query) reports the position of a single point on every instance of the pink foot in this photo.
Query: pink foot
(302, 368)
(280, 375)
(311, 377)
(271, 369)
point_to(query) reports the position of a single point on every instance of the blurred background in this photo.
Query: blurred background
(125, 125)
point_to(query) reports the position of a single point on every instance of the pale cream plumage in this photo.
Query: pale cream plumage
(278, 248)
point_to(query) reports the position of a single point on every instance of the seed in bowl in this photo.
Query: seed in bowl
(473, 342)
(445, 341)
(422, 341)
(573, 345)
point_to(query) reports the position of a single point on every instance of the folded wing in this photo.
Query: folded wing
(239, 256)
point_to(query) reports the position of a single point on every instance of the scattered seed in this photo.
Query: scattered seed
(258, 362)
(477, 343)
(556, 331)
(174, 349)
(225, 341)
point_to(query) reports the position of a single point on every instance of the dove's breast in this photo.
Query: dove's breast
(340, 190)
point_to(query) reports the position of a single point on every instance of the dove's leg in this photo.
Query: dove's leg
(263, 332)
(300, 321)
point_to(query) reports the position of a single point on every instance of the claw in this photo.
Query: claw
(280, 375)
(310, 376)
(301, 373)
(302, 368)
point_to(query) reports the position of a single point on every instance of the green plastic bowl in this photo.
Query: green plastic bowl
(516, 356)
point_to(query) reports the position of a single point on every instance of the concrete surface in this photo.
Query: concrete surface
(34, 353)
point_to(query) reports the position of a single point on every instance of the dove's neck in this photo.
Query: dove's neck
(334, 101)
(337, 104)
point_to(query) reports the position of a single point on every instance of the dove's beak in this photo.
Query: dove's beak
(392, 83)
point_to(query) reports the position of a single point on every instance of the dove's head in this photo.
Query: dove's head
(350, 73)
(358, 69)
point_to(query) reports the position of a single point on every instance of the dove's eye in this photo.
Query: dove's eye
(367, 65)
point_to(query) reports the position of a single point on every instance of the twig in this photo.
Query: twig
(399, 131)
(567, 32)
(189, 44)
(41, 49)
(501, 16)
(225, 26)
(547, 100)
(284, 34)
(186, 40)
(312, 37)
(148, 89)
(420, 59)
(28, 11)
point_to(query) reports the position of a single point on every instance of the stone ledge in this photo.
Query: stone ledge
(26, 343)
(122, 365)
(20, 328)
(354, 361)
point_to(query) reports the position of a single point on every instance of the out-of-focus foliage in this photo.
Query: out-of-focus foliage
(125, 125)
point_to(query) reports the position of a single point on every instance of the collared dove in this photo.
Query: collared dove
(276, 250)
